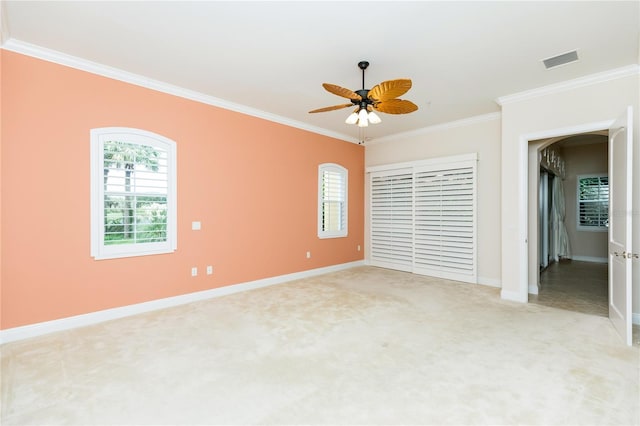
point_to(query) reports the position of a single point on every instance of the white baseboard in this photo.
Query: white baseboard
(33, 330)
(514, 296)
(590, 259)
(533, 289)
(491, 282)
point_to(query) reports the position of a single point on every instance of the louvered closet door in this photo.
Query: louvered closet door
(444, 222)
(391, 213)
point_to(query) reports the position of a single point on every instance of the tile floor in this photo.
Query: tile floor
(575, 286)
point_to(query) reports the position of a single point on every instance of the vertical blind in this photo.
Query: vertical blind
(423, 218)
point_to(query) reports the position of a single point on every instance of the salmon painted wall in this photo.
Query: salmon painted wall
(252, 183)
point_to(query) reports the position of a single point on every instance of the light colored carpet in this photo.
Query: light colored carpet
(361, 346)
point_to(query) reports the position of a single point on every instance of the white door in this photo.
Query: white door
(620, 215)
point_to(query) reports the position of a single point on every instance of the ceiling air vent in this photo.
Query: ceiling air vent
(558, 60)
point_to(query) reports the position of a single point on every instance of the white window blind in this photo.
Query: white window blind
(332, 201)
(391, 215)
(423, 217)
(133, 193)
(593, 202)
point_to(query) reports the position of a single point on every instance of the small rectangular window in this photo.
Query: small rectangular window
(332, 201)
(593, 202)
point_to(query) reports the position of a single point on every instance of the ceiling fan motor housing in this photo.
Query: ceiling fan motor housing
(365, 100)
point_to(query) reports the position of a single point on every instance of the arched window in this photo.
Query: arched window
(133, 193)
(332, 201)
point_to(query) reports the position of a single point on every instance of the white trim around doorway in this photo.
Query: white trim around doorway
(522, 294)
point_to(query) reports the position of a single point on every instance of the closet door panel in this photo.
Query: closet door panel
(444, 221)
(391, 216)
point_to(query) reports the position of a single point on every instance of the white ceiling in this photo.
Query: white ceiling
(274, 56)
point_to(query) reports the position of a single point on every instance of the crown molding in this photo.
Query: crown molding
(439, 127)
(588, 80)
(60, 58)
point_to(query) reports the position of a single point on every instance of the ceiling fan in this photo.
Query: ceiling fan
(382, 98)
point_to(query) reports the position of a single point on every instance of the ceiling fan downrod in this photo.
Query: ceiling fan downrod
(363, 65)
(363, 92)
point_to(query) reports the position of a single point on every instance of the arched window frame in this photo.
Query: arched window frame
(166, 149)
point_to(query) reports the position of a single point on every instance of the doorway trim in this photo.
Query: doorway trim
(523, 185)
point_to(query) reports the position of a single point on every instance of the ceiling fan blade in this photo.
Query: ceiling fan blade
(331, 108)
(389, 89)
(341, 91)
(396, 106)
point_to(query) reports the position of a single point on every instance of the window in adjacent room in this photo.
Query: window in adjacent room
(332, 201)
(593, 202)
(133, 193)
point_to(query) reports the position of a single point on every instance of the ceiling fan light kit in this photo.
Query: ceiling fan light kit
(352, 118)
(382, 98)
(374, 118)
(362, 117)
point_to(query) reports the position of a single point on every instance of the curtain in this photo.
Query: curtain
(559, 244)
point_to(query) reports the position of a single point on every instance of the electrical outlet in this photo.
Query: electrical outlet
(308, 255)
(209, 270)
(358, 247)
(194, 271)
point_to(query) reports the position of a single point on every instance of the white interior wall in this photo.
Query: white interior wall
(588, 104)
(580, 160)
(480, 135)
